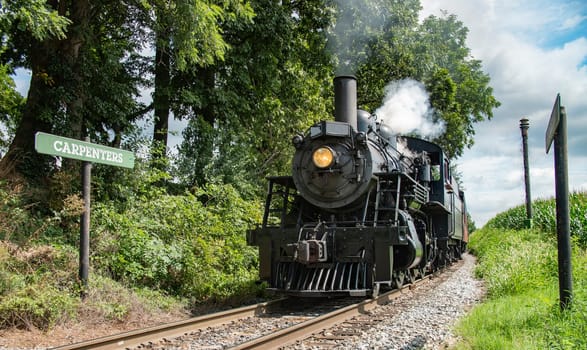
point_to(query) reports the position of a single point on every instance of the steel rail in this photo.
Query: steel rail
(305, 329)
(169, 330)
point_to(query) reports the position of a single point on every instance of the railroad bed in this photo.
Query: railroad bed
(419, 319)
(413, 318)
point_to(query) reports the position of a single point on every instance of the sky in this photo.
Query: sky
(532, 50)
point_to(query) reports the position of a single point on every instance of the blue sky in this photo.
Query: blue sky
(532, 50)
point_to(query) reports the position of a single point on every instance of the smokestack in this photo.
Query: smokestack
(345, 100)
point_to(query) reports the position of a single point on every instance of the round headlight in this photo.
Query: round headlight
(323, 157)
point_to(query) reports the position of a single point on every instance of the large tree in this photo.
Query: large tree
(459, 89)
(393, 45)
(188, 37)
(80, 82)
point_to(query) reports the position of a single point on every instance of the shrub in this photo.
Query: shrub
(172, 242)
(39, 305)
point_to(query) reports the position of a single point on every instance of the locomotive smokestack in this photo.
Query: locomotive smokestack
(345, 100)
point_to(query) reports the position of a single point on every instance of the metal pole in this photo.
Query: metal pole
(562, 212)
(524, 125)
(84, 242)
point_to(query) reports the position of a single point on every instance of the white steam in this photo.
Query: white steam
(406, 110)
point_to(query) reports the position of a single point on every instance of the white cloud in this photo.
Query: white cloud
(573, 22)
(528, 66)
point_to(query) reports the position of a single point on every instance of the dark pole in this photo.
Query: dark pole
(524, 125)
(84, 242)
(562, 212)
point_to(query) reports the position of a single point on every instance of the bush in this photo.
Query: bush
(39, 305)
(35, 286)
(172, 242)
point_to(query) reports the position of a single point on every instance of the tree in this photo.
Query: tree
(433, 52)
(390, 50)
(188, 35)
(461, 93)
(77, 76)
(11, 103)
(26, 26)
(270, 86)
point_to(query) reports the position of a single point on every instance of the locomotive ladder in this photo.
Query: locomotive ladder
(384, 185)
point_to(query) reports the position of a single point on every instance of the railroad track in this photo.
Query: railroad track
(308, 328)
(301, 327)
(139, 337)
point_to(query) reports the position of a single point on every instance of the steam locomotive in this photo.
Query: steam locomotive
(363, 210)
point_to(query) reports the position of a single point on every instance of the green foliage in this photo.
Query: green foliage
(273, 82)
(32, 285)
(33, 16)
(170, 242)
(16, 221)
(11, 103)
(434, 52)
(36, 306)
(544, 217)
(112, 301)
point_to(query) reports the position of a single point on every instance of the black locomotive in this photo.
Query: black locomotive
(363, 210)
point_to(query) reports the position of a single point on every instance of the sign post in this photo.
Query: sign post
(86, 152)
(557, 131)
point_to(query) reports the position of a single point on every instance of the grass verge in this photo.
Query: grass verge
(522, 311)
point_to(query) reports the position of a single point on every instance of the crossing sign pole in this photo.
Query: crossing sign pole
(88, 153)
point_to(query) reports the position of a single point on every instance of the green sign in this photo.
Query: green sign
(76, 149)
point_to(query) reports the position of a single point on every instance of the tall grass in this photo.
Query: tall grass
(520, 268)
(544, 217)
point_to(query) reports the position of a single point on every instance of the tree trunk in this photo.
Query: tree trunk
(80, 30)
(22, 160)
(41, 106)
(161, 98)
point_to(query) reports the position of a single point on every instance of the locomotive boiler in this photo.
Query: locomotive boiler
(362, 210)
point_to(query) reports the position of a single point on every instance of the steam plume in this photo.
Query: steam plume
(406, 110)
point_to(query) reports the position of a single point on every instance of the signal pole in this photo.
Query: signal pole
(524, 125)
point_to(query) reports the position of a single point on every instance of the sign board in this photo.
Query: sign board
(81, 150)
(553, 123)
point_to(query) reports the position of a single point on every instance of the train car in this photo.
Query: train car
(362, 210)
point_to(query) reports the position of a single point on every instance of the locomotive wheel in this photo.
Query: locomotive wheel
(398, 279)
(375, 292)
(409, 276)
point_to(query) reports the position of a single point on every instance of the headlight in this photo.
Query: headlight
(323, 157)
